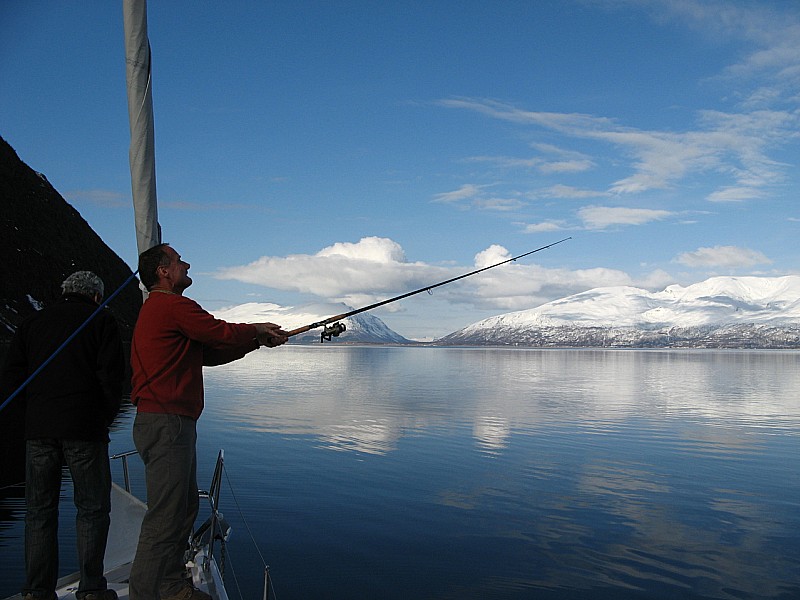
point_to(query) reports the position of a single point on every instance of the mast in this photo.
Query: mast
(140, 113)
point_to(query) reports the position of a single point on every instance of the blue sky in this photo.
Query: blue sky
(352, 151)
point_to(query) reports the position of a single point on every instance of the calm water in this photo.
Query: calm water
(489, 473)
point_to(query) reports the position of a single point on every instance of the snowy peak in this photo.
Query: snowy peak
(758, 290)
(628, 316)
(363, 328)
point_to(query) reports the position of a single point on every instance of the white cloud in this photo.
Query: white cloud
(775, 34)
(566, 166)
(600, 217)
(567, 191)
(493, 255)
(735, 194)
(518, 286)
(381, 250)
(723, 257)
(727, 145)
(507, 162)
(498, 204)
(565, 161)
(767, 71)
(472, 196)
(354, 273)
(375, 269)
(542, 227)
(465, 192)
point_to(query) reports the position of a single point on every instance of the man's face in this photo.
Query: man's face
(176, 273)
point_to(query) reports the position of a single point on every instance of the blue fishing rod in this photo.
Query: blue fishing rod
(332, 328)
(49, 359)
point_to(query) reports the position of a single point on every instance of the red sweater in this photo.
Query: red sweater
(174, 337)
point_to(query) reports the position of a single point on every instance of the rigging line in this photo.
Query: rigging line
(235, 578)
(241, 514)
(250, 533)
(21, 484)
(271, 586)
(58, 350)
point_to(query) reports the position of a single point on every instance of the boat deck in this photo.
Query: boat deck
(127, 513)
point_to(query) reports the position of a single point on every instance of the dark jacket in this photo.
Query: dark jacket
(78, 394)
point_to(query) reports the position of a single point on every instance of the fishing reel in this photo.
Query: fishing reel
(331, 331)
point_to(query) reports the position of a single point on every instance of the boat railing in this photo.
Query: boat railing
(126, 476)
(215, 527)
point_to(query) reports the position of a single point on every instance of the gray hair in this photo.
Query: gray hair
(83, 282)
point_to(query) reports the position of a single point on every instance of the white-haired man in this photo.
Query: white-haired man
(70, 405)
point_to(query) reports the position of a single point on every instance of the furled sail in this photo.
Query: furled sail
(140, 112)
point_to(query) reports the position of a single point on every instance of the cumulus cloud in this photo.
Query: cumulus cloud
(722, 257)
(354, 273)
(375, 269)
(518, 286)
(600, 217)
(493, 255)
(380, 250)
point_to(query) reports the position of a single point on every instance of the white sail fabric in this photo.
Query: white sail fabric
(140, 113)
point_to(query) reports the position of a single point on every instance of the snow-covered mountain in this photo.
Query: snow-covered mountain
(721, 312)
(362, 328)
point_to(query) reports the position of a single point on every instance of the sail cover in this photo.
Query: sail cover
(140, 113)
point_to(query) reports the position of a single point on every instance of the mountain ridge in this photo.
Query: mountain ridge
(361, 328)
(720, 312)
(43, 239)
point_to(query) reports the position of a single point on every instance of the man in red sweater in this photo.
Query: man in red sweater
(173, 339)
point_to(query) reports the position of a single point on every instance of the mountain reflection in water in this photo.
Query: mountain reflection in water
(391, 472)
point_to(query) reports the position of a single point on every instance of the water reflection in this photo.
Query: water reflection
(494, 473)
(491, 432)
(366, 399)
(658, 474)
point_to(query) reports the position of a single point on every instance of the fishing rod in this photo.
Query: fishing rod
(331, 327)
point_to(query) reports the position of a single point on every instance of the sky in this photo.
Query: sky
(353, 151)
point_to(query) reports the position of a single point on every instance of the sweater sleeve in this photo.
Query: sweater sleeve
(213, 357)
(199, 325)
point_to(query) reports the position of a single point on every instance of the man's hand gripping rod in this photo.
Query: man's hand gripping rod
(337, 328)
